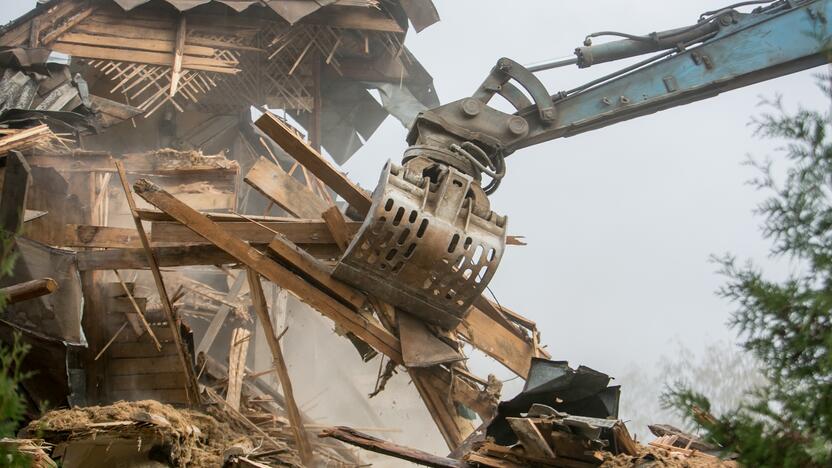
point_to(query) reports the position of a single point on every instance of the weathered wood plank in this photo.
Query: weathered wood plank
(315, 272)
(531, 438)
(218, 320)
(338, 227)
(150, 45)
(368, 442)
(80, 235)
(298, 231)
(284, 190)
(240, 341)
(258, 300)
(138, 56)
(189, 255)
(307, 157)
(497, 341)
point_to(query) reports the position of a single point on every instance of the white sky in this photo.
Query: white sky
(620, 221)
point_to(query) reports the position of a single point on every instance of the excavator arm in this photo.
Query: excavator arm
(431, 243)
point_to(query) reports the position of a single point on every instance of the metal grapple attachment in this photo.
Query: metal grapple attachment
(423, 247)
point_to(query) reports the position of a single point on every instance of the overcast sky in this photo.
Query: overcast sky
(620, 221)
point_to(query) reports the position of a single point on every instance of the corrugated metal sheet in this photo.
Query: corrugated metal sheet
(422, 13)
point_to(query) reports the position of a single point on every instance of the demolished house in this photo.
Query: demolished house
(172, 251)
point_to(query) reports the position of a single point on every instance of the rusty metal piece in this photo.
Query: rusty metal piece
(423, 247)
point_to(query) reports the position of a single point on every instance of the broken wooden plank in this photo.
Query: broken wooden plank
(258, 300)
(299, 231)
(178, 54)
(240, 341)
(373, 444)
(374, 335)
(138, 311)
(286, 137)
(497, 341)
(533, 441)
(81, 235)
(136, 259)
(222, 313)
(315, 272)
(191, 387)
(138, 56)
(28, 290)
(284, 190)
(187, 255)
(338, 227)
(454, 428)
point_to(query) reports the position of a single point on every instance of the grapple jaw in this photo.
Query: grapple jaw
(426, 246)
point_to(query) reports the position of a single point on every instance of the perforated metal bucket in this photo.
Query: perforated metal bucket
(422, 248)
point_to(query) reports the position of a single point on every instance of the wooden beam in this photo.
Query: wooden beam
(176, 256)
(136, 259)
(238, 350)
(178, 54)
(258, 300)
(139, 56)
(138, 163)
(16, 180)
(435, 395)
(286, 137)
(338, 227)
(219, 318)
(377, 337)
(315, 272)
(298, 231)
(368, 442)
(82, 235)
(138, 311)
(534, 443)
(497, 341)
(145, 44)
(191, 386)
(28, 290)
(284, 190)
(70, 23)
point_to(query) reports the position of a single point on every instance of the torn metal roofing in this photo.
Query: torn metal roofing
(422, 13)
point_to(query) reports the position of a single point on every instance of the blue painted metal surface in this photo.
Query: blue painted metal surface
(758, 47)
